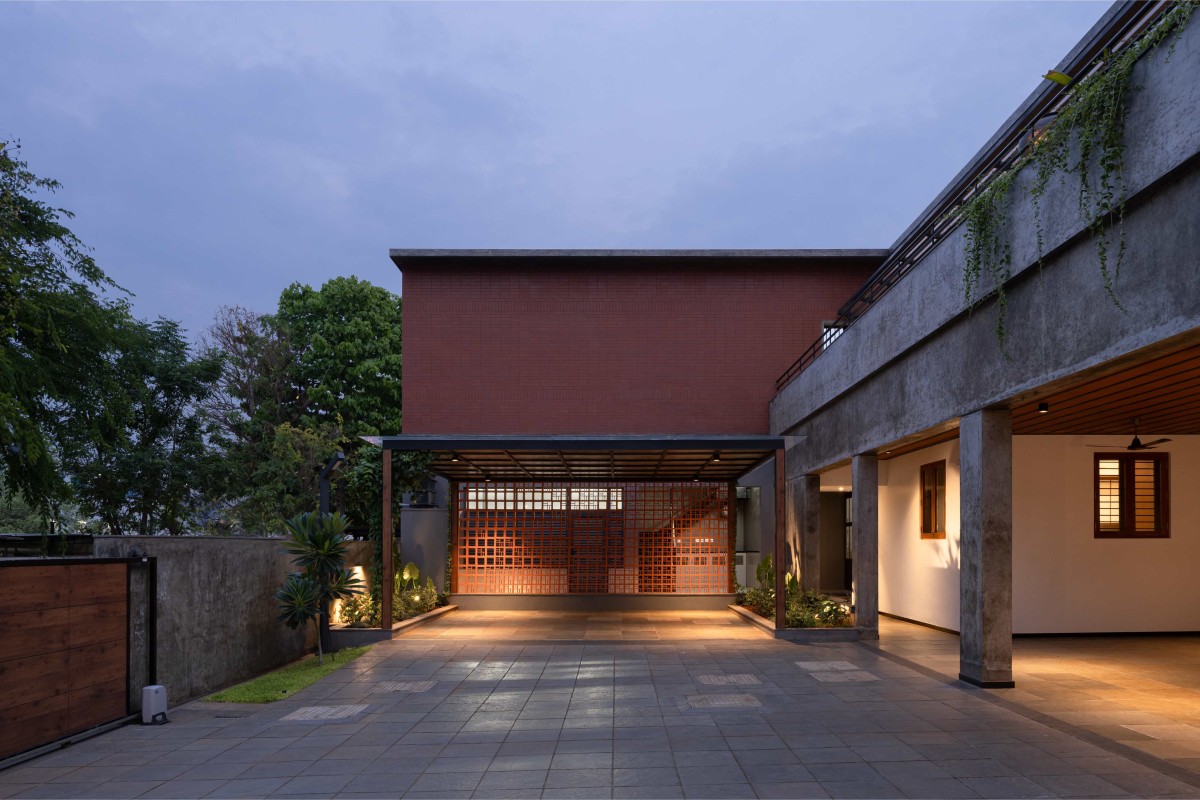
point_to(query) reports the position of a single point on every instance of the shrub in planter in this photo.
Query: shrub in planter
(409, 599)
(804, 609)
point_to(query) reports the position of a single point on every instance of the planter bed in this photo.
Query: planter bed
(805, 635)
(342, 636)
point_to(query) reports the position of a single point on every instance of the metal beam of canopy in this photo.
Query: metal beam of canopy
(589, 458)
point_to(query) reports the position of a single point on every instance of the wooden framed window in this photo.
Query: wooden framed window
(1132, 499)
(933, 500)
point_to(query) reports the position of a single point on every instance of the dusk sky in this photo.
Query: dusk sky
(213, 153)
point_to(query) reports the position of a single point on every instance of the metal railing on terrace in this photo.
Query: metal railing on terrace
(1118, 28)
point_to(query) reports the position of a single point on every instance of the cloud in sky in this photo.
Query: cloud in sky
(215, 152)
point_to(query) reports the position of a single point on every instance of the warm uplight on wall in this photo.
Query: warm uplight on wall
(1043, 408)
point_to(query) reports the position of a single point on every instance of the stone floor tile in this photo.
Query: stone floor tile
(826, 755)
(645, 776)
(447, 782)
(388, 784)
(182, 789)
(577, 793)
(754, 757)
(527, 748)
(593, 760)
(1016, 787)
(248, 787)
(512, 779)
(718, 791)
(575, 778)
(646, 792)
(844, 772)
(1151, 784)
(700, 775)
(470, 764)
(976, 768)
(863, 789)
(789, 791)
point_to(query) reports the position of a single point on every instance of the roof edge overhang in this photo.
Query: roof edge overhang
(590, 259)
(676, 457)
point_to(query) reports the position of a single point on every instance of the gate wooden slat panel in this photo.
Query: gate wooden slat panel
(31, 724)
(33, 632)
(31, 588)
(96, 663)
(64, 650)
(23, 680)
(97, 583)
(96, 704)
(103, 622)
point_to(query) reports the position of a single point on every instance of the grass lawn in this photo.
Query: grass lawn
(287, 680)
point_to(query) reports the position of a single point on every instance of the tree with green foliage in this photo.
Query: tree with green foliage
(302, 384)
(56, 327)
(139, 453)
(346, 341)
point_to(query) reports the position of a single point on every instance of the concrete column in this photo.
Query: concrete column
(865, 508)
(805, 496)
(780, 557)
(985, 569)
(385, 622)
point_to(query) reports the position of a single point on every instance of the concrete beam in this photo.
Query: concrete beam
(865, 505)
(985, 571)
(881, 382)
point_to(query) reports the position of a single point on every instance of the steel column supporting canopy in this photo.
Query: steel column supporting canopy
(589, 458)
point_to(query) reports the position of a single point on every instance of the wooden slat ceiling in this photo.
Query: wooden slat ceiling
(1162, 392)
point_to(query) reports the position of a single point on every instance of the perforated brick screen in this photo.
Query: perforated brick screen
(592, 538)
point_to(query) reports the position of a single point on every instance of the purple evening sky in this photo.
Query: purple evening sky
(213, 153)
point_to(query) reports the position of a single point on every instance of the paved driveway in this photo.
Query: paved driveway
(437, 715)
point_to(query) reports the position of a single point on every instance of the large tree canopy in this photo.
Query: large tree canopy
(302, 384)
(56, 330)
(346, 337)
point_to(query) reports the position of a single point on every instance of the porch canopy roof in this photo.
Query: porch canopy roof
(589, 458)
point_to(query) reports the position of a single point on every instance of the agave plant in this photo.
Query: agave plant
(318, 542)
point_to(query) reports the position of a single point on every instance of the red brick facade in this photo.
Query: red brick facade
(501, 348)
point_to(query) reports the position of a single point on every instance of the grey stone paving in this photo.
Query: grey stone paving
(505, 718)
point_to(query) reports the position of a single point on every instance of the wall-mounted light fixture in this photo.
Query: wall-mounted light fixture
(717, 456)
(454, 457)
(1043, 408)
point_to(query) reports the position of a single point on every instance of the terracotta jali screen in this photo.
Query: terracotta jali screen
(592, 538)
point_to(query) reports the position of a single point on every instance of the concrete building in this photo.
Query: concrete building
(1045, 516)
(597, 411)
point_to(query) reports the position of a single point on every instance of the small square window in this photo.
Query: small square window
(933, 500)
(1131, 496)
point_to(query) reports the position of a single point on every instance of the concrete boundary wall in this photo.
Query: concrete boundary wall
(918, 359)
(217, 608)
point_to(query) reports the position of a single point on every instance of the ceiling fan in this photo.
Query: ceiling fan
(1136, 444)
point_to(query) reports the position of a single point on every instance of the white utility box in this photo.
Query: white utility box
(154, 705)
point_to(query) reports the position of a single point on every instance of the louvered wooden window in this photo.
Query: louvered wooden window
(1131, 496)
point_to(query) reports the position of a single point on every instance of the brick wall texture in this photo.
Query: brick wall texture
(611, 350)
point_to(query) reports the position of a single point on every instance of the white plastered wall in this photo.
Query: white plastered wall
(1067, 581)
(918, 578)
(1064, 579)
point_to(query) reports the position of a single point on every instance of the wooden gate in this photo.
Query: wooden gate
(64, 649)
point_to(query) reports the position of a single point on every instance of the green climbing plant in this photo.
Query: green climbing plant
(1086, 139)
